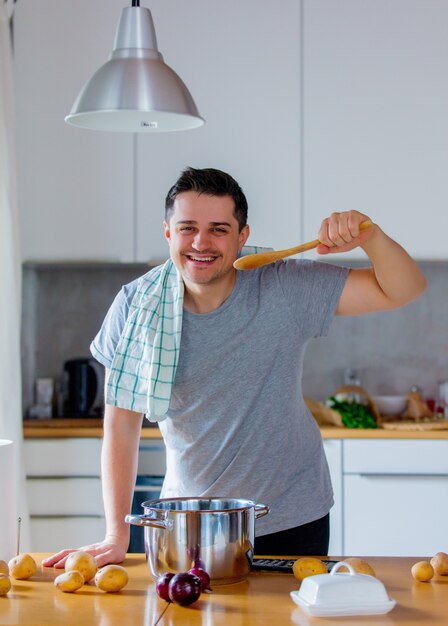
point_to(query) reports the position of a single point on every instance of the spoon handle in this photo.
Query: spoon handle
(251, 261)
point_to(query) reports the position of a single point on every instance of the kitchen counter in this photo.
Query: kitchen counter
(61, 427)
(92, 427)
(261, 600)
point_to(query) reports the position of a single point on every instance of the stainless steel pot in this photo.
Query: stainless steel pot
(214, 533)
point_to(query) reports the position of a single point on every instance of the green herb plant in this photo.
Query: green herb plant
(354, 414)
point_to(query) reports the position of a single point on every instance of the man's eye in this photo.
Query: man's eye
(186, 228)
(217, 229)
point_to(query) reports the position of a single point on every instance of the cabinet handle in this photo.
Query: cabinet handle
(68, 516)
(396, 475)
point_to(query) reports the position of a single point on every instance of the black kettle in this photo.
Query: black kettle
(83, 389)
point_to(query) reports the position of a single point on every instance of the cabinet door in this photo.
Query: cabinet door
(396, 456)
(64, 496)
(241, 62)
(75, 186)
(375, 123)
(391, 515)
(62, 457)
(333, 452)
(51, 534)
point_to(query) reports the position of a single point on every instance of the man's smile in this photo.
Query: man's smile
(202, 259)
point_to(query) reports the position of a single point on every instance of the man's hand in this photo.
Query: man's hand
(104, 552)
(340, 232)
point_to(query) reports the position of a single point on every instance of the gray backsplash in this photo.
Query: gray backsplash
(64, 305)
(391, 351)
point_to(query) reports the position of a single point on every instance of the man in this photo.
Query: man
(235, 422)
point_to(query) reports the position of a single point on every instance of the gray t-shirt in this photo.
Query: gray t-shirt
(238, 425)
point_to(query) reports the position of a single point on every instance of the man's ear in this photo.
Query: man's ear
(244, 235)
(166, 228)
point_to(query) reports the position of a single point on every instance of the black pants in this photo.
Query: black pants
(307, 540)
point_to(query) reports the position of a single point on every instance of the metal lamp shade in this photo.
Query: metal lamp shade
(135, 91)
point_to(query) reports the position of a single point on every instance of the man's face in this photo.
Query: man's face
(204, 238)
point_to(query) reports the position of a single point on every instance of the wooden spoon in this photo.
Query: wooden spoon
(250, 261)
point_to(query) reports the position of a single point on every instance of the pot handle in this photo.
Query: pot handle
(261, 510)
(156, 520)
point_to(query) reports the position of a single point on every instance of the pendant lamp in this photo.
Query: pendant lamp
(135, 91)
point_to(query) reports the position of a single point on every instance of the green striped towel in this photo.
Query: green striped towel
(144, 365)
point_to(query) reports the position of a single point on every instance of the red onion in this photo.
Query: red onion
(203, 576)
(162, 583)
(184, 588)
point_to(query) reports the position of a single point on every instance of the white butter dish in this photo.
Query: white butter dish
(338, 594)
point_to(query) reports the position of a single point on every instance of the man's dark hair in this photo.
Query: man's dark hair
(210, 182)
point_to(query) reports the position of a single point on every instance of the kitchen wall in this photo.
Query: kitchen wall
(64, 305)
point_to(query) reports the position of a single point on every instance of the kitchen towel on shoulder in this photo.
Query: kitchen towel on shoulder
(144, 364)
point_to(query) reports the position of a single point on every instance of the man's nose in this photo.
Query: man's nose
(201, 240)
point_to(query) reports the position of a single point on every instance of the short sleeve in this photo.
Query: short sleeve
(104, 345)
(312, 290)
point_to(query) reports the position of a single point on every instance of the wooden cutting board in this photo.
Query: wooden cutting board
(437, 424)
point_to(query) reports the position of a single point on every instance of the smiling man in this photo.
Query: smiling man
(231, 409)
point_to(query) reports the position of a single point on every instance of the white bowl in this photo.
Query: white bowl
(390, 405)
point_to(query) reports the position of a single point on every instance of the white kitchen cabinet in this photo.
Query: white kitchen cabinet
(375, 123)
(333, 452)
(64, 492)
(65, 496)
(395, 497)
(395, 515)
(51, 534)
(396, 456)
(63, 457)
(75, 187)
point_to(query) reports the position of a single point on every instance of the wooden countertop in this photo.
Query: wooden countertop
(262, 600)
(60, 427)
(92, 427)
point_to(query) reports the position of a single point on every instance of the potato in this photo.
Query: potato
(82, 562)
(69, 581)
(4, 569)
(308, 566)
(360, 566)
(22, 566)
(5, 584)
(422, 571)
(111, 578)
(439, 563)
